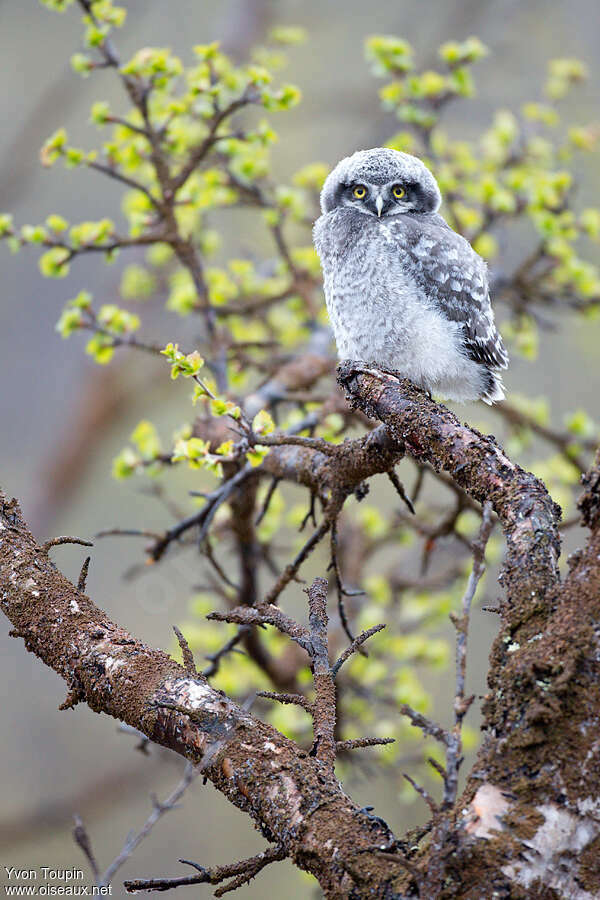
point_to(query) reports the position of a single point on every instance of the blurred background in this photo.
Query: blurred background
(57, 764)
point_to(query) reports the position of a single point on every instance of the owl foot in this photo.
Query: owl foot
(347, 368)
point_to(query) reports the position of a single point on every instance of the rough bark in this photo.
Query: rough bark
(528, 824)
(294, 798)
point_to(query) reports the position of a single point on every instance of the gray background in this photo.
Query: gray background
(55, 764)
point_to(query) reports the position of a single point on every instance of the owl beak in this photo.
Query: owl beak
(379, 205)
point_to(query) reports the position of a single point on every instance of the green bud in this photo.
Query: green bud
(54, 263)
(100, 113)
(81, 64)
(6, 225)
(70, 320)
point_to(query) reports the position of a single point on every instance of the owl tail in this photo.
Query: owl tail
(494, 389)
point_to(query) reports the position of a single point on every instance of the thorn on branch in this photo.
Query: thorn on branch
(65, 539)
(83, 574)
(188, 657)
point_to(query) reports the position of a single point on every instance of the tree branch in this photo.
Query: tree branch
(431, 433)
(294, 798)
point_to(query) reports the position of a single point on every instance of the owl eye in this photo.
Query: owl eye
(359, 191)
(398, 192)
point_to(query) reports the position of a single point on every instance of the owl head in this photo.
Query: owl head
(381, 182)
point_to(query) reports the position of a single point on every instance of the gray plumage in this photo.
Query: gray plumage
(405, 292)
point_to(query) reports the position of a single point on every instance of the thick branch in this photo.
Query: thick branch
(431, 433)
(295, 799)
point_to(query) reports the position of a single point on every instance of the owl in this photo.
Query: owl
(404, 291)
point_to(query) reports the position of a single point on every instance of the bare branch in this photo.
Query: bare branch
(241, 872)
(427, 725)
(215, 658)
(400, 490)
(81, 838)
(159, 809)
(432, 434)
(59, 541)
(291, 570)
(266, 614)
(293, 699)
(422, 793)
(354, 646)
(462, 704)
(356, 743)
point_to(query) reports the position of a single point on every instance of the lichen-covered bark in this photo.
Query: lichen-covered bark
(431, 433)
(294, 798)
(542, 746)
(528, 823)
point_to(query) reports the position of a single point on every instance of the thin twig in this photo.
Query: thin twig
(462, 703)
(342, 591)
(400, 490)
(423, 793)
(134, 840)
(356, 643)
(215, 658)
(64, 539)
(427, 725)
(290, 570)
(208, 552)
(128, 532)
(269, 496)
(81, 838)
(266, 614)
(241, 872)
(294, 699)
(356, 743)
(203, 517)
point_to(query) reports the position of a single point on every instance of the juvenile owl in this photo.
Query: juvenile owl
(404, 291)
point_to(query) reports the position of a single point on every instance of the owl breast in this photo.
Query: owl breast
(380, 314)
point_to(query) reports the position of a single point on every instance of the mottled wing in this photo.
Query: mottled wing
(454, 277)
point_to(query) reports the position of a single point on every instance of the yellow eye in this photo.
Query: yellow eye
(359, 191)
(398, 192)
